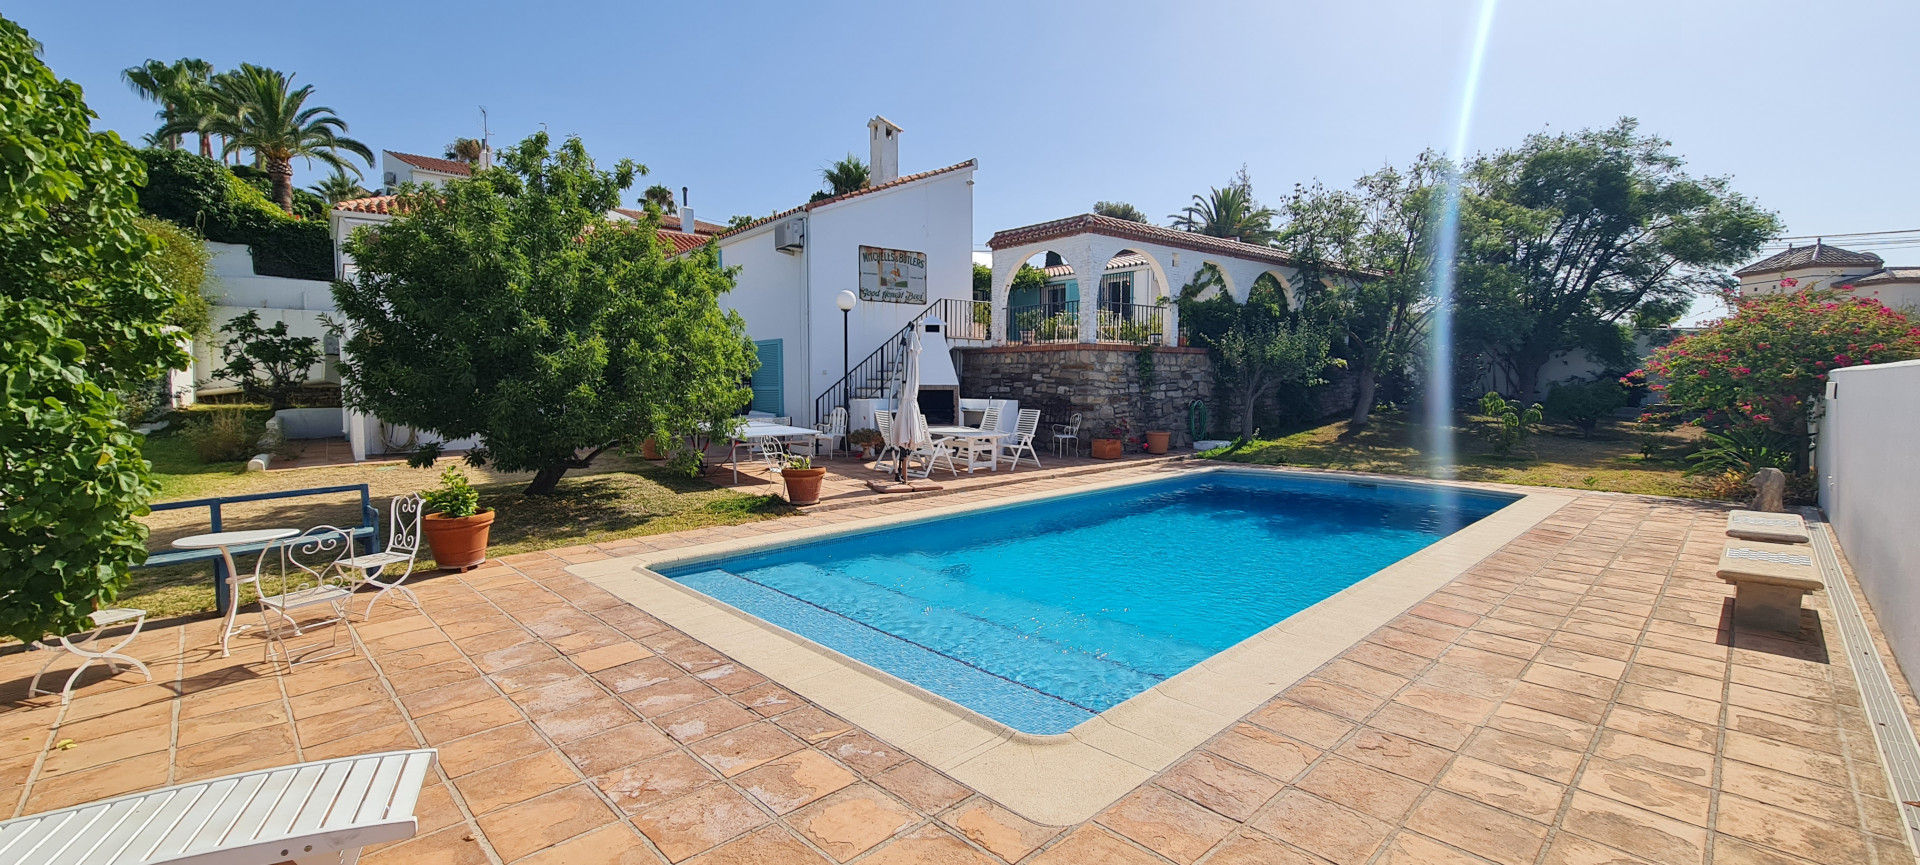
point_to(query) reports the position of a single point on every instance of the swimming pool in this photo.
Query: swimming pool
(1042, 615)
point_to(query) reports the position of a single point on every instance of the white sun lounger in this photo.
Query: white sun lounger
(308, 813)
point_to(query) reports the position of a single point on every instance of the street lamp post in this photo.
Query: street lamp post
(845, 300)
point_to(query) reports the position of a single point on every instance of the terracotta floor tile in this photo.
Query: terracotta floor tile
(1412, 848)
(1641, 833)
(453, 696)
(1650, 790)
(637, 674)
(99, 782)
(1662, 727)
(922, 787)
(652, 782)
(1406, 719)
(698, 821)
(1320, 827)
(84, 706)
(773, 844)
(468, 720)
(812, 724)
(1166, 824)
(562, 694)
(585, 719)
(1527, 755)
(220, 725)
(489, 748)
(88, 753)
(1488, 832)
(1794, 793)
(515, 656)
(1250, 849)
(623, 745)
(1222, 786)
(525, 828)
(851, 821)
(394, 737)
(321, 729)
(863, 752)
(1308, 725)
(768, 699)
(1094, 844)
(1397, 754)
(669, 696)
(1795, 834)
(215, 700)
(736, 750)
(792, 781)
(595, 660)
(616, 844)
(706, 719)
(267, 747)
(1334, 699)
(1370, 791)
(514, 781)
(1272, 755)
(456, 845)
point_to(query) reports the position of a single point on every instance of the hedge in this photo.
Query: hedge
(202, 194)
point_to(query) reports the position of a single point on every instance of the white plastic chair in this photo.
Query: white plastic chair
(831, 431)
(1023, 433)
(932, 452)
(1067, 435)
(884, 421)
(403, 545)
(990, 419)
(85, 648)
(314, 579)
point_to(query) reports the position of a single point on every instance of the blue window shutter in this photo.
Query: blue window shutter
(768, 395)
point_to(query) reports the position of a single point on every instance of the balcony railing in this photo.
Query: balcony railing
(1044, 323)
(1133, 323)
(966, 320)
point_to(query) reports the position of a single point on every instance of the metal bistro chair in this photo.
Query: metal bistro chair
(403, 546)
(1023, 438)
(87, 647)
(314, 578)
(1067, 436)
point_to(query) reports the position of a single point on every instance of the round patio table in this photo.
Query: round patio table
(223, 541)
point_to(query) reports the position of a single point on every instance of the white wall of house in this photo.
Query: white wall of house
(1870, 489)
(395, 171)
(232, 289)
(792, 297)
(1901, 295)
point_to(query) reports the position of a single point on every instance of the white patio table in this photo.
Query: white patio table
(974, 442)
(756, 430)
(223, 541)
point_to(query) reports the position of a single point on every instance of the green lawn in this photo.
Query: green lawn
(620, 497)
(1555, 456)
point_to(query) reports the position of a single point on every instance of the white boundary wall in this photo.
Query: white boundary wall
(1870, 489)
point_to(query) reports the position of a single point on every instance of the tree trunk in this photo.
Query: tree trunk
(281, 172)
(546, 479)
(1365, 381)
(206, 145)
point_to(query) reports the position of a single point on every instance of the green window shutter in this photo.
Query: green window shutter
(768, 395)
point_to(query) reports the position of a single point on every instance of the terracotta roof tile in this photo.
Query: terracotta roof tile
(1817, 255)
(388, 205)
(682, 242)
(1089, 223)
(443, 166)
(371, 204)
(814, 205)
(1889, 275)
(671, 221)
(1118, 262)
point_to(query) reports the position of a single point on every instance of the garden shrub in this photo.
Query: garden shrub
(1511, 422)
(204, 195)
(1585, 403)
(224, 435)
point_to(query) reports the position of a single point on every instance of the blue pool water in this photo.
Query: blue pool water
(1044, 614)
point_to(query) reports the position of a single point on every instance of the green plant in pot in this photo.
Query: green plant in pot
(868, 441)
(456, 527)
(802, 480)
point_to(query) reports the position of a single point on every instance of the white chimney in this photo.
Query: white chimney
(686, 212)
(884, 166)
(486, 156)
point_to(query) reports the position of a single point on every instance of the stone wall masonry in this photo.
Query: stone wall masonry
(1102, 382)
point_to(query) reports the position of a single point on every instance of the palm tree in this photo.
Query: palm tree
(259, 110)
(1119, 210)
(181, 88)
(1229, 211)
(659, 196)
(339, 187)
(847, 175)
(464, 150)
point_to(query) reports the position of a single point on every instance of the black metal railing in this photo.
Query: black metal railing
(1132, 323)
(967, 320)
(1044, 323)
(870, 377)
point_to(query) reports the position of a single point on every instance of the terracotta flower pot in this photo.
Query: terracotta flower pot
(649, 451)
(803, 485)
(1157, 441)
(458, 543)
(1106, 449)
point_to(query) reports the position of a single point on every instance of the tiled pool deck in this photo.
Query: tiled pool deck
(1577, 697)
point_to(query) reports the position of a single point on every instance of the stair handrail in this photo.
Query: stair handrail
(868, 368)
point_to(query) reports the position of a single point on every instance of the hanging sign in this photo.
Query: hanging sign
(893, 275)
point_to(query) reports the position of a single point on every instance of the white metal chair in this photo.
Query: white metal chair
(403, 545)
(832, 431)
(308, 813)
(314, 579)
(1023, 433)
(1067, 436)
(86, 649)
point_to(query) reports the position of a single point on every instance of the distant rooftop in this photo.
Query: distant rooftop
(1817, 255)
(442, 166)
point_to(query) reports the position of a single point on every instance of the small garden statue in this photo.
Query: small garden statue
(1769, 491)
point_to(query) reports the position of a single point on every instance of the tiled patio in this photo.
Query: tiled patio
(846, 482)
(1575, 698)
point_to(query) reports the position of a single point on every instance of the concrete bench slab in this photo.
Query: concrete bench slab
(1769, 582)
(1762, 526)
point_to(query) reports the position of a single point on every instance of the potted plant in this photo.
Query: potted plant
(649, 450)
(457, 528)
(1156, 441)
(802, 480)
(1110, 446)
(867, 440)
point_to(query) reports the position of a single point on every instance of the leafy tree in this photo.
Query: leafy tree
(1766, 366)
(1567, 238)
(1229, 211)
(181, 263)
(182, 90)
(202, 194)
(1257, 346)
(338, 187)
(1366, 266)
(1119, 210)
(268, 363)
(846, 176)
(659, 196)
(1585, 403)
(507, 307)
(259, 109)
(1511, 422)
(740, 220)
(982, 282)
(465, 150)
(82, 318)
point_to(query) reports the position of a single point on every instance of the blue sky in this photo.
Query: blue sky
(1805, 106)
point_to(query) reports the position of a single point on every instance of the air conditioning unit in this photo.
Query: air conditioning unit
(790, 236)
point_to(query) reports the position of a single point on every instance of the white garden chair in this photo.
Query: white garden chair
(314, 579)
(932, 452)
(308, 813)
(1023, 433)
(832, 431)
(87, 647)
(403, 546)
(990, 419)
(883, 420)
(1066, 436)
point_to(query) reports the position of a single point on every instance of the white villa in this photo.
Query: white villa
(1804, 268)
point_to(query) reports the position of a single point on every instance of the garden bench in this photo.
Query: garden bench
(1769, 581)
(1763, 526)
(307, 813)
(367, 533)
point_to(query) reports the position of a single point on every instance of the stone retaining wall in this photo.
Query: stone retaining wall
(1102, 382)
